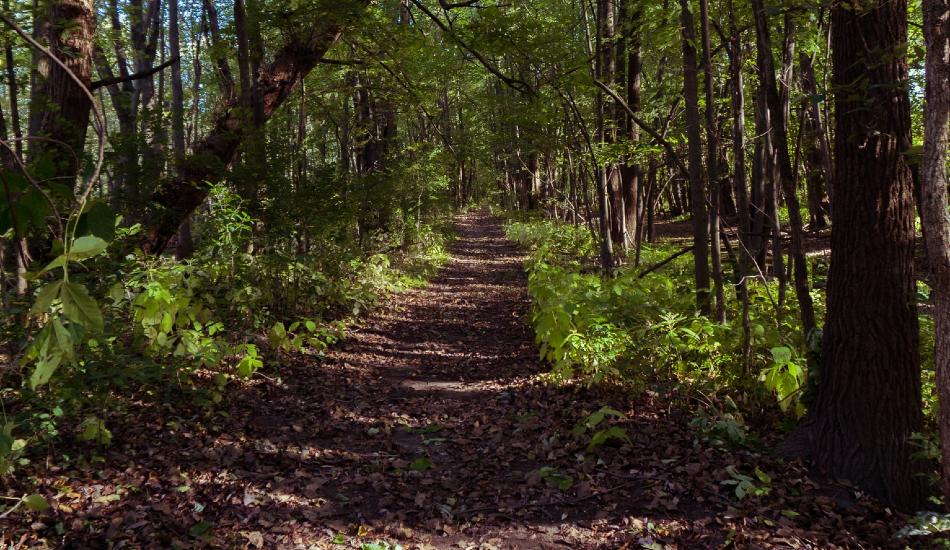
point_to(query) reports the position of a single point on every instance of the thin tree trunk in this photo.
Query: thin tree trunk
(712, 164)
(789, 185)
(739, 181)
(817, 127)
(696, 191)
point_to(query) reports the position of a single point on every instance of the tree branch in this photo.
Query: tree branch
(141, 74)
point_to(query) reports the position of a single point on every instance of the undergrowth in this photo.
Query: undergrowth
(117, 327)
(645, 330)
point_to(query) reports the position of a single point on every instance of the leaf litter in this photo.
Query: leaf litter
(432, 426)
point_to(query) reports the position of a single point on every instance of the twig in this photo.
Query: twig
(15, 506)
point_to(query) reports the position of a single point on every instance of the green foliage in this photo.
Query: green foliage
(601, 436)
(759, 485)
(553, 477)
(634, 328)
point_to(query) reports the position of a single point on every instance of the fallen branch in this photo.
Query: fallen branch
(664, 262)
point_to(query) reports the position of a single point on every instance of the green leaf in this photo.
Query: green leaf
(36, 502)
(45, 297)
(59, 261)
(421, 465)
(781, 355)
(86, 247)
(94, 429)
(99, 221)
(80, 307)
(199, 529)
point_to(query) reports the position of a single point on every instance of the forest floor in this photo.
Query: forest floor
(432, 426)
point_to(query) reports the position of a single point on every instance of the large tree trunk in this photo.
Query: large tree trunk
(868, 401)
(211, 157)
(696, 189)
(934, 205)
(59, 107)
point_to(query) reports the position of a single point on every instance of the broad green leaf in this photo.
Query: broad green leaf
(80, 307)
(45, 297)
(36, 502)
(86, 247)
(45, 368)
(99, 221)
(57, 262)
(781, 355)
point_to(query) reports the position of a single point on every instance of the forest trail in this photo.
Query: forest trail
(431, 427)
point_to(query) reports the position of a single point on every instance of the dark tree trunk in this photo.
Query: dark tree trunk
(820, 150)
(712, 163)
(59, 107)
(739, 181)
(869, 396)
(696, 189)
(789, 186)
(934, 205)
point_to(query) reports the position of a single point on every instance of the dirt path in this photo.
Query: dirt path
(430, 427)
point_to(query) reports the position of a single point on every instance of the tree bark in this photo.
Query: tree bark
(59, 107)
(817, 124)
(739, 180)
(934, 205)
(712, 163)
(869, 397)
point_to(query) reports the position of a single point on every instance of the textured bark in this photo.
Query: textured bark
(633, 80)
(13, 90)
(601, 70)
(59, 107)
(934, 204)
(868, 401)
(210, 158)
(696, 191)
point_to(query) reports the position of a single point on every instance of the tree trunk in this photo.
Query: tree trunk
(789, 185)
(712, 163)
(210, 158)
(817, 124)
(934, 205)
(869, 394)
(59, 107)
(739, 181)
(696, 191)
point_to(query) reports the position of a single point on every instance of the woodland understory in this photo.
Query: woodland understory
(387, 274)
